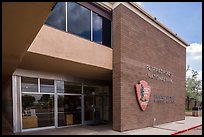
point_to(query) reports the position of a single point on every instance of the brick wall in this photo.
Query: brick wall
(136, 43)
(116, 43)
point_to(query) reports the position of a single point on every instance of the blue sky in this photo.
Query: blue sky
(185, 19)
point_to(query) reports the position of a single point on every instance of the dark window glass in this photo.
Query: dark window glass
(29, 84)
(106, 32)
(101, 30)
(79, 20)
(46, 86)
(37, 110)
(68, 87)
(69, 110)
(97, 28)
(93, 90)
(57, 17)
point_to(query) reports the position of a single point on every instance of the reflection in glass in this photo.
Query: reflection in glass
(88, 107)
(106, 32)
(46, 86)
(57, 18)
(79, 20)
(37, 110)
(97, 28)
(29, 84)
(68, 87)
(93, 90)
(93, 107)
(69, 110)
(96, 103)
(101, 30)
(106, 104)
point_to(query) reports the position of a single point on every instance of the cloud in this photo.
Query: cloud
(140, 3)
(189, 74)
(194, 58)
(200, 75)
(195, 49)
(197, 57)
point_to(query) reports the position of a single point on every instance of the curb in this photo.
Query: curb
(181, 131)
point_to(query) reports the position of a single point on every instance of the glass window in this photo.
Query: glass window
(106, 32)
(68, 87)
(93, 90)
(29, 84)
(46, 86)
(69, 110)
(79, 20)
(57, 17)
(37, 110)
(97, 28)
(101, 30)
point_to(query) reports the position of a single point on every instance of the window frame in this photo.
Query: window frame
(67, 3)
(64, 30)
(92, 7)
(92, 11)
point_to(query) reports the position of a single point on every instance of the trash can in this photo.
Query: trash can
(196, 111)
(200, 110)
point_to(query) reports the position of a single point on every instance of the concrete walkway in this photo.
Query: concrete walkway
(196, 131)
(163, 129)
(168, 128)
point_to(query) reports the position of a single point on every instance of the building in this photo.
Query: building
(75, 63)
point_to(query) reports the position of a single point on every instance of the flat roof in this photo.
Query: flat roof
(159, 23)
(112, 5)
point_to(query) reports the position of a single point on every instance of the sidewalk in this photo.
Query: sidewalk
(163, 129)
(168, 128)
(195, 131)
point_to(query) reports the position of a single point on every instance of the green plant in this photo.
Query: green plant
(193, 88)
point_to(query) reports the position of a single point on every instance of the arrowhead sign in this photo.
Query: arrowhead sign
(143, 91)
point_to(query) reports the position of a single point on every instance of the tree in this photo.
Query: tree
(198, 92)
(193, 88)
(27, 101)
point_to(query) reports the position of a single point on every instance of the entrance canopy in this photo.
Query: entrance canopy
(21, 22)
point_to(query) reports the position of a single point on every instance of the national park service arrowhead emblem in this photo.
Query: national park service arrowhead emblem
(143, 91)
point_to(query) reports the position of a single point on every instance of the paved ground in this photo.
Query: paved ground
(196, 131)
(168, 128)
(77, 130)
(163, 129)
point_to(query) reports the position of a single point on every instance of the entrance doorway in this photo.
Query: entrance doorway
(69, 103)
(47, 103)
(95, 100)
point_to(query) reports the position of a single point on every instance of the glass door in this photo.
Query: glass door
(46, 103)
(69, 110)
(93, 105)
(98, 108)
(89, 109)
(69, 103)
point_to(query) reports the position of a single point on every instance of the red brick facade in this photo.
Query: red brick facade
(136, 44)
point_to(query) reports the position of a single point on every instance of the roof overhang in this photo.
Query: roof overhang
(21, 21)
(49, 64)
